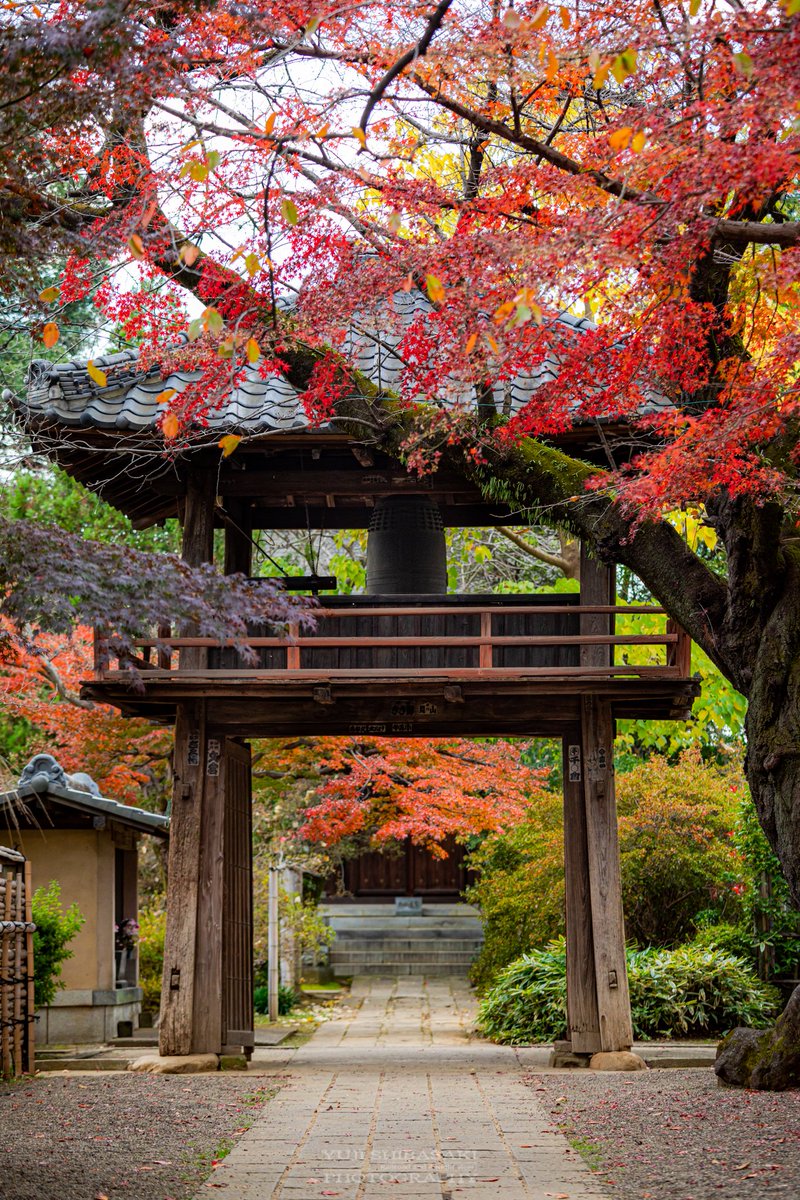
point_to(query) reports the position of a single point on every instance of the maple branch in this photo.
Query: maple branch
(759, 232)
(614, 187)
(552, 560)
(62, 691)
(418, 50)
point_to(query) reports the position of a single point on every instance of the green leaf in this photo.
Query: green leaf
(744, 63)
(289, 211)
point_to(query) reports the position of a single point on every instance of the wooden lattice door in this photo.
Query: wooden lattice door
(237, 929)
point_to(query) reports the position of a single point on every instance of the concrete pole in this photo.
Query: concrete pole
(273, 953)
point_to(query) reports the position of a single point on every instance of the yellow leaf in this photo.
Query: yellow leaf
(505, 310)
(166, 395)
(540, 17)
(189, 254)
(253, 350)
(620, 138)
(600, 77)
(565, 17)
(252, 264)
(694, 7)
(394, 222)
(229, 443)
(136, 246)
(637, 143)
(99, 377)
(198, 171)
(50, 334)
(269, 124)
(435, 289)
(360, 136)
(323, 129)
(49, 295)
(471, 340)
(492, 342)
(552, 67)
(170, 426)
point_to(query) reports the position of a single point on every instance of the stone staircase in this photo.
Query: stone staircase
(373, 939)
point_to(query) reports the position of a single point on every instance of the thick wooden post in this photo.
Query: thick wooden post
(608, 929)
(238, 540)
(197, 548)
(192, 838)
(583, 1023)
(176, 1028)
(598, 586)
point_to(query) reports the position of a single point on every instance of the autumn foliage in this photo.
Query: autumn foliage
(379, 791)
(39, 689)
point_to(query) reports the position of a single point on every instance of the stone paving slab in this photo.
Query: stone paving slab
(395, 1099)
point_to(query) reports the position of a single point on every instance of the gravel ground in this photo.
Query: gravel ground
(677, 1135)
(114, 1135)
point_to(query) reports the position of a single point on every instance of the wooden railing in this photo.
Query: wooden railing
(443, 649)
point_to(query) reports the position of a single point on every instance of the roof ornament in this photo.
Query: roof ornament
(43, 769)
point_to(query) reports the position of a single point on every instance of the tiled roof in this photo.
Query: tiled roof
(84, 802)
(65, 394)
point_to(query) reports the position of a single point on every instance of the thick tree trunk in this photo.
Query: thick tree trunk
(773, 726)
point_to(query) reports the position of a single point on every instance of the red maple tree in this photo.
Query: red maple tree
(378, 791)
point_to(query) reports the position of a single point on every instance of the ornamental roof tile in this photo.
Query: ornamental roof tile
(64, 393)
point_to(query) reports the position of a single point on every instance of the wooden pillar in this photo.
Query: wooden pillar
(238, 540)
(197, 547)
(608, 929)
(176, 1028)
(598, 586)
(583, 1024)
(193, 838)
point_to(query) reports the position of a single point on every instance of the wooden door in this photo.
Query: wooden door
(237, 927)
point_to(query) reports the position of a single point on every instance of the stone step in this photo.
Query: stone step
(379, 956)
(369, 941)
(439, 911)
(404, 925)
(394, 968)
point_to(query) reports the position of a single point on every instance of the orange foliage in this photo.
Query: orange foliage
(386, 790)
(42, 689)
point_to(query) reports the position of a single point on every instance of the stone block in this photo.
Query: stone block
(176, 1064)
(617, 1060)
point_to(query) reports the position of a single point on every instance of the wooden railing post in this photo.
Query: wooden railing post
(293, 652)
(486, 657)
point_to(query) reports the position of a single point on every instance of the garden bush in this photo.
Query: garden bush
(152, 927)
(687, 992)
(55, 929)
(287, 1000)
(680, 866)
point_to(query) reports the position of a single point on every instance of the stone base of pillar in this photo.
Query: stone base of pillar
(564, 1056)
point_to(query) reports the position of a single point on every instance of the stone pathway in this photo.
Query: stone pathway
(394, 1099)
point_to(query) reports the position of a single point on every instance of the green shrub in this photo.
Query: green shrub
(730, 939)
(677, 853)
(287, 1000)
(686, 992)
(55, 929)
(152, 927)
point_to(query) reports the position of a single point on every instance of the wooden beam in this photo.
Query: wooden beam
(608, 928)
(238, 537)
(583, 1021)
(598, 587)
(176, 1028)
